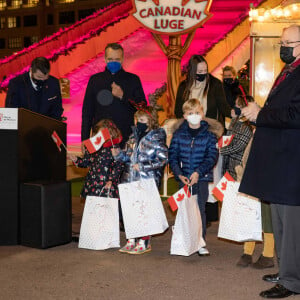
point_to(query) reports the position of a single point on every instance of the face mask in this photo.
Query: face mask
(113, 66)
(194, 119)
(237, 110)
(39, 83)
(228, 81)
(201, 77)
(141, 127)
(286, 54)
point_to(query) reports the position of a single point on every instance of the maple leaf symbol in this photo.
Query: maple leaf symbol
(226, 141)
(224, 185)
(98, 140)
(180, 197)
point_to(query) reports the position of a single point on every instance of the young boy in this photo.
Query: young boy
(193, 154)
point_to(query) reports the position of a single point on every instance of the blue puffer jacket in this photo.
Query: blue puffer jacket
(151, 153)
(189, 154)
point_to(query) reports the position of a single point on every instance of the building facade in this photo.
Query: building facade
(25, 22)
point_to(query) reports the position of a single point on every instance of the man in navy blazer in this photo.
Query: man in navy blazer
(272, 172)
(36, 90)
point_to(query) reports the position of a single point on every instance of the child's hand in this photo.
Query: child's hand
(194, 178)
(108, 184)
(136, 167)
(184, 179)
(72, 157)
(115, 151)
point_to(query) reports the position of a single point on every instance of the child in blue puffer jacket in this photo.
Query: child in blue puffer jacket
(193, 154)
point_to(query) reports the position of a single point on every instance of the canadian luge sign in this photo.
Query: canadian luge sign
(171, 16)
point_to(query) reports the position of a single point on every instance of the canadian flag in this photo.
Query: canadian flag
(57, 140)
(94, 143)
(225, 140)
(178, 196)
(221, 187)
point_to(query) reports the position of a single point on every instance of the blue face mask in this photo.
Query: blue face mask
(114, 66)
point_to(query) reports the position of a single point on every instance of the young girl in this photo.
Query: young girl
(104, 171)
(242, 131)
(145, 156)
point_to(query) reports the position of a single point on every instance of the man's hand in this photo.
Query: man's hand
(184, 179)
(116, 90)
(251, 111)
(194, 178)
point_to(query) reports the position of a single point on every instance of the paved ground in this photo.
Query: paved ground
(66, 272)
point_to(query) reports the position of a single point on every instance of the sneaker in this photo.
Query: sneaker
(128, 247)
(141, 248)
(264, 262)
(244, 261)
(203, 251)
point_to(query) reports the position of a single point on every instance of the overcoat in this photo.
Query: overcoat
(272, 172)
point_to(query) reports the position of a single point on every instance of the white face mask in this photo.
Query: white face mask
(194, 119)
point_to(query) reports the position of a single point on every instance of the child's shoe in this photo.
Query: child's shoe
(203, 252)
(128, 247)
(141, 247)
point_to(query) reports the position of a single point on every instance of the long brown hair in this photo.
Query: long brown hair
(110, 125)
(191, 75)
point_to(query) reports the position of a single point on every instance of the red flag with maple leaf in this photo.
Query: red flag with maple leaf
(178, 196)
(94, 143)
(57, 140)
(225, 140)
(221, 187)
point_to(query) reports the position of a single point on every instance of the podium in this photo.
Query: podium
(27, 154)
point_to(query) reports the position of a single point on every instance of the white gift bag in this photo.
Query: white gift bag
(100, 224)
(142, 209)
(240, 219)
(187, 230)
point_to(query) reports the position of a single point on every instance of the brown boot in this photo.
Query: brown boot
(263, 262)
(244, 261)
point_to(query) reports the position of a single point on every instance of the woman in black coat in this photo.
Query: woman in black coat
(206, 88)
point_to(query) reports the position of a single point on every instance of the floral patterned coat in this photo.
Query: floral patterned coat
(102, 168)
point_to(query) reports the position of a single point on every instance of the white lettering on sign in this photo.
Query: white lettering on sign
(162, 17)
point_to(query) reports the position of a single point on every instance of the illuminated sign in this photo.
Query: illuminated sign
(171, 17)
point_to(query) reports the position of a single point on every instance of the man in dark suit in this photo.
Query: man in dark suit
(36, 90)
(272, 171)
(108, 95)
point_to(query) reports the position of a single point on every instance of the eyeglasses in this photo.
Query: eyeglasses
(286, 43)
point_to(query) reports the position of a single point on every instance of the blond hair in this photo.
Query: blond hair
(231, 69)
(191, 104)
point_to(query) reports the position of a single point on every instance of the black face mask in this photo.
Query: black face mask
(237, 110)
(286, 54)
(39, 83)
(201, 77)
(228, 81)
(141, 127)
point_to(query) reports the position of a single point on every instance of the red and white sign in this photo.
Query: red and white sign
(94, 143)
(171, 17)
(221, 187)
(8, 118)
(178, 196)
(225, 140)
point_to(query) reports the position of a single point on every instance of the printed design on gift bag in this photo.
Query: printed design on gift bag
(100, 224)
(245, 206)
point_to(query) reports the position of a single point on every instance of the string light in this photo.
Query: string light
(289, 12)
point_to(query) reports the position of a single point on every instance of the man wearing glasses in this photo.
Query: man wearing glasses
(273, 168)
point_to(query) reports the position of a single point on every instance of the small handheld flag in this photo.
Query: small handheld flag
(225, 140)
(178, 196)
(221, 187)
(57, 140)
(94, 143)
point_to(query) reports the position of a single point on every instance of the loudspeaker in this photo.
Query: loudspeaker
(45, 214)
